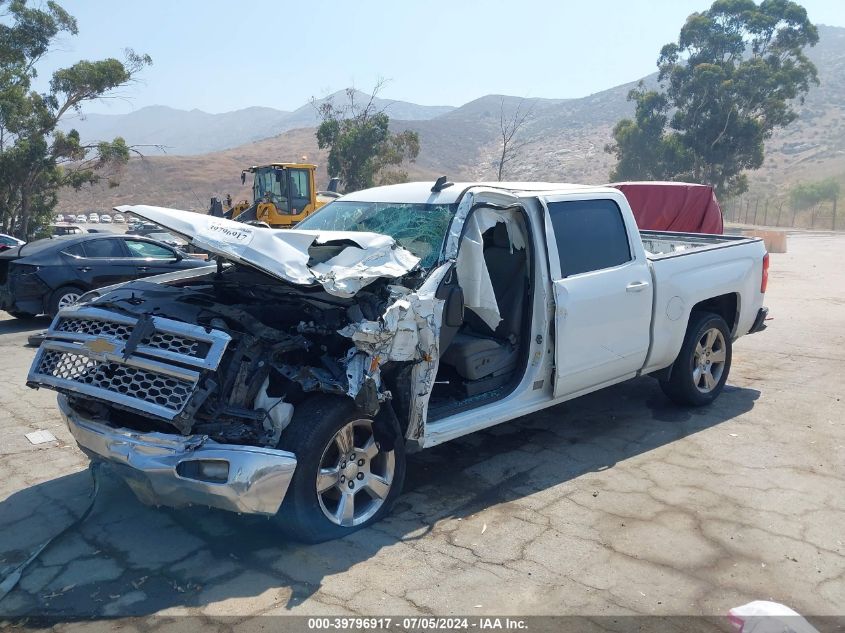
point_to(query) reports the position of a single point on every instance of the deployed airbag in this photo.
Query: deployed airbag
(473, 276)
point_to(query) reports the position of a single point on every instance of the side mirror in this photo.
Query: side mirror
(453, 310)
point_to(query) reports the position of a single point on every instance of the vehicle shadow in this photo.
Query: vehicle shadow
(130, 560)
(16, 326)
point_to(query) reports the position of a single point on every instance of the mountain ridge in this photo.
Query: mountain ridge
(162, 129)
(563, 140)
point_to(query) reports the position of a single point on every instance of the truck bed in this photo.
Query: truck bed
(663, 244)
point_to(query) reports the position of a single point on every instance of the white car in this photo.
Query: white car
(60, 218)
(93, 218)
(9, 241)
(118, 218)
(81, 218)
(105, 219)
(395, 319)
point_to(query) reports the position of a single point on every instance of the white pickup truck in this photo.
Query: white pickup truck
(292, 377)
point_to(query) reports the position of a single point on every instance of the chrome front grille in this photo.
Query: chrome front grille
(173, 343)
(120, 331)
(161, 390)
(90, 351)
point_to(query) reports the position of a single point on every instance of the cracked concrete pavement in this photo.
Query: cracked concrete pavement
(616, 503)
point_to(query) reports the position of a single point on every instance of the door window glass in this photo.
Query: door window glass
(590, 235)
(139, 248)
(104, 248)
(300, 186)
(75, 250)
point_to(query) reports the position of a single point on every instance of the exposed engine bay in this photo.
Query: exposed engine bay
(286, 342)
(229, 352)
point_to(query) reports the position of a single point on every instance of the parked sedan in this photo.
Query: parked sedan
(143, 228)
(118, 218)
(169, 239)
(65, 229)
(7, 241)
(81, 218)
(47, 275)
(105, 219)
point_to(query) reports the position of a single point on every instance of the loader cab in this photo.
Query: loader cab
(288, 188)
(283, 194)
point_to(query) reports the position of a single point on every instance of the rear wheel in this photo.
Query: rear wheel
(702, 367)
(344, 480)
(64, 297)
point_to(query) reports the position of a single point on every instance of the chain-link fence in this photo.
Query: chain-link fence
(772, 211)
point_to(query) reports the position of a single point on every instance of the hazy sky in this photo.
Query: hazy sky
(220, 56)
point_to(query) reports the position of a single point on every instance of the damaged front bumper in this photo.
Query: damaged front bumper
(177, 470)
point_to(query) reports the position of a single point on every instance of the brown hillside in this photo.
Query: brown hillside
(563, 140)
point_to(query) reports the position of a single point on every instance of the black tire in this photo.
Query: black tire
(682, 387)
(23, 316)
(57, 296)
(310, 435)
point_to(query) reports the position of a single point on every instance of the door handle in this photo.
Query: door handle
(636, 286)
(143, 269)
(84, 269)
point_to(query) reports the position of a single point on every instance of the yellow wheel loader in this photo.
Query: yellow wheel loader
(283, 194)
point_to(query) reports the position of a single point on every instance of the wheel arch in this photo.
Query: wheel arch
(726, 306)
(48, 297)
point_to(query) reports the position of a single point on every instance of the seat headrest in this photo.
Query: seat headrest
(501, 238)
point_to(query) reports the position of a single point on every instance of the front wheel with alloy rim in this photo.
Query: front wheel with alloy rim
(62, 298)
(344, 478)
(701, 369)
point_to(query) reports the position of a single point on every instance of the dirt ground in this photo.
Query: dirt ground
(616, 503)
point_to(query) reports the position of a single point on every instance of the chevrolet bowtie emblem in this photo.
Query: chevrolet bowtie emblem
(100, 346)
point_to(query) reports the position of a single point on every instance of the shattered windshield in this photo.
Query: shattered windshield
(418, 227)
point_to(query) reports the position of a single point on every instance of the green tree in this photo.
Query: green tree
(363, 152)
(36, 158)
(644, 151)
(807, 195)
(731, 79)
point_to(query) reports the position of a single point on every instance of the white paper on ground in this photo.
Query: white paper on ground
(40, 437)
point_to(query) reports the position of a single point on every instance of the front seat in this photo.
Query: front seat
(478, 352)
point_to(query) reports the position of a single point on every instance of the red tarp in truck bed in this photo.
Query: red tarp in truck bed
(673, 206)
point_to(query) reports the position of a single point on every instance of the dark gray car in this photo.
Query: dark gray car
(47, 275)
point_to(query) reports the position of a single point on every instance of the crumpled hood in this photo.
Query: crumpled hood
(343, 262)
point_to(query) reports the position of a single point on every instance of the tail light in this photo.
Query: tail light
(764, 280)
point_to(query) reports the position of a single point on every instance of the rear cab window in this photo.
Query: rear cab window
(590, 235)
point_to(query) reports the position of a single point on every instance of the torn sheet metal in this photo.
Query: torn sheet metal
(284, 254)
(473, 276)
(396, 335)
(424, 372)
(409, 330)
